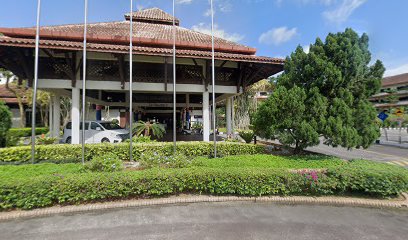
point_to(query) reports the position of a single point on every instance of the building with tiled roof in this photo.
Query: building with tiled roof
(8, 96)
(237, 66)
(394, 92)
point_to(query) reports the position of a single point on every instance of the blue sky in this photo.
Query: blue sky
(274, 27)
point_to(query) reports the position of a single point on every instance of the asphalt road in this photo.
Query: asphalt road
(393, 155)
(396, 154)
(217, 221)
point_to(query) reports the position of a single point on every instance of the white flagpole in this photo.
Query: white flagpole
(84, 81)
(33, 112)
(131, 82)
(213, 79)
(174, 81)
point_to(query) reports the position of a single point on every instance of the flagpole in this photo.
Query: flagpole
(131, 82)
(213, 78)
(34, 103)
(174, 81)
(84, 80)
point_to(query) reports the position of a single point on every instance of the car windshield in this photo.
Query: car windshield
(110, 126)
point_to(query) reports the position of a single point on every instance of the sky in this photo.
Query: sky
(274, 27)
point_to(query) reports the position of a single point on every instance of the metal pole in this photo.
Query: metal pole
(84, 81)
(213, 78)
(33, 112)
(131, 82)
(174, 80)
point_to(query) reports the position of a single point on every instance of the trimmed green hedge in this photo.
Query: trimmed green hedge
(15, 134)
(72, 153)
(26, 132)
(361, 178)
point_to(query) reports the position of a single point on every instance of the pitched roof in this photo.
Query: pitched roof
(152, 36)
(396, 80)
(144, 34)
(112, 48)
(8, 96)
(154, 15)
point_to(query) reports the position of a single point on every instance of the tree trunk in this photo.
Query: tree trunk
(297, 150)
(22, 112)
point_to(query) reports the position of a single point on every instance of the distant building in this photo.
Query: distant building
(393, 94)
(10, 99)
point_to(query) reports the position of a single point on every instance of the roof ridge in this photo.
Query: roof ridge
(76, 24)
(153, 14)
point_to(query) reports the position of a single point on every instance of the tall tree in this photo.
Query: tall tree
(18, 91)
(5, 123)
(246, 103)
(43, 103)
(337, 74)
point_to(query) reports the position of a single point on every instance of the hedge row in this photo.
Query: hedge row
(26, 132)
(49, 190)
(72, 153)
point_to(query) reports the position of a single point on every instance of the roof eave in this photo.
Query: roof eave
(118, 39)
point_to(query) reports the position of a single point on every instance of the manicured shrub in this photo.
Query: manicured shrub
(5, 123)
(44, 140)
(104, 163)
(14, 135)
(247, 135)
(26, 132)
(57, 185)
(141, 139)
(72, 153)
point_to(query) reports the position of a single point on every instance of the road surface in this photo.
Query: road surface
(217, 221)
(390, 154)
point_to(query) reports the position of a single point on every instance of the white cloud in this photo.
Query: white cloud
(343, 11)
(184, 1)
(304, 2)
(207, 12)
(221, 33)
(277, 36)
(306, 48)
(397, 70)
(225, 6)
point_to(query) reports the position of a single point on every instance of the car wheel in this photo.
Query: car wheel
(68, 140)
(105, 140)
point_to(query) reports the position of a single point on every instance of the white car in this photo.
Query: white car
(98, 132)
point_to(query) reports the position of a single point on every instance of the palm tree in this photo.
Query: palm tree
(145, 128)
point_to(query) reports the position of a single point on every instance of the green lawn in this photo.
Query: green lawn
(8, 172)
(270, 161)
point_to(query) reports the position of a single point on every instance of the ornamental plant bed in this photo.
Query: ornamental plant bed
(72, 153)
(41, 185)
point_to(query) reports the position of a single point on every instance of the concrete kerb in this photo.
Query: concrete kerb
(185, 199)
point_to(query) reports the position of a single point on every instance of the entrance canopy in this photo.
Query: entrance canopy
(60, 71)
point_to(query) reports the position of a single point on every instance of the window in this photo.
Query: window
(69, 125)
(94, 125)
(110, 126)
(86, 126)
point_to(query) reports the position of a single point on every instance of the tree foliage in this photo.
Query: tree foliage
(245, 105)
(5, 123)
(324, 93)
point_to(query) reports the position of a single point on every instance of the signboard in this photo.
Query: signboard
(382, 116)
(399, 112)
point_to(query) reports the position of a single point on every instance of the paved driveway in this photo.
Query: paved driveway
(217, 221)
